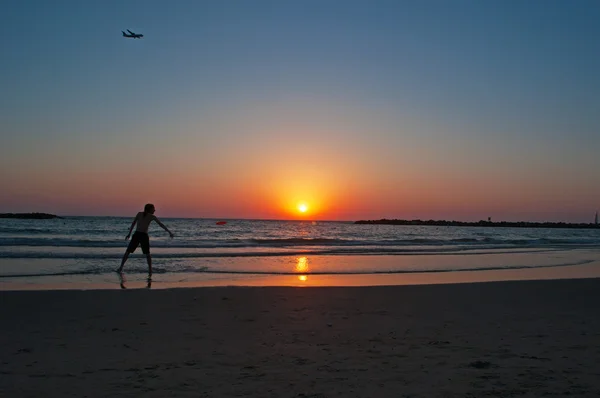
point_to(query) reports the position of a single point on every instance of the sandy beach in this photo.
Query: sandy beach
(520, 338)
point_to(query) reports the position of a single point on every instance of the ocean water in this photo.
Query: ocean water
(88, 247)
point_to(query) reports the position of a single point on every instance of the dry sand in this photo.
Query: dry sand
(528, 338)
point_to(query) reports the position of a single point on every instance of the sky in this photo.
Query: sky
(449, 109)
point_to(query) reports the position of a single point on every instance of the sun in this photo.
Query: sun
(302, 207)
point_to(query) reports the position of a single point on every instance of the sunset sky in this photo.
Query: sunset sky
(449, 109)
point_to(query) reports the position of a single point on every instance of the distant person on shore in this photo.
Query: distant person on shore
(140, 237)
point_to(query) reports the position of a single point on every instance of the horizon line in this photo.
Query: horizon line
(365, 221)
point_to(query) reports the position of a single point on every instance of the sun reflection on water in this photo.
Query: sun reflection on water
(302, 268)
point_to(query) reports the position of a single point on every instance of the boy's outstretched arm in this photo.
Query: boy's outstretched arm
(132, 225)
(163, 226)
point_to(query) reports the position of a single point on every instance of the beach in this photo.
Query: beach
(300, 199)
(511, 338)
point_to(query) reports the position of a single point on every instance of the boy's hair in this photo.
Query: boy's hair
(148, 208)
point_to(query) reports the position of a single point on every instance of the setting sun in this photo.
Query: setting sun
(302, 208)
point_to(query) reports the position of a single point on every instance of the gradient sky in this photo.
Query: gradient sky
(447, 109)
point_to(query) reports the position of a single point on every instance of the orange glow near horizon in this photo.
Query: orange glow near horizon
(299, 182)
(294, 206)
(307, 199)
(305, 181)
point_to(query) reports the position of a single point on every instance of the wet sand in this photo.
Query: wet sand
(522, 338)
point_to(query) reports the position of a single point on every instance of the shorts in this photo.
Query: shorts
(139, 238)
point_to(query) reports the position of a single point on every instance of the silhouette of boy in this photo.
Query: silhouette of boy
(140, 237)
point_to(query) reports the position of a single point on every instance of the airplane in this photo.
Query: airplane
(132, 35)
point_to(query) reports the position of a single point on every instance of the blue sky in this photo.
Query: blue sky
(506, 89)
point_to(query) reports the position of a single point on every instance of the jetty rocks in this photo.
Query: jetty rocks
(501, 224)
(31, 216)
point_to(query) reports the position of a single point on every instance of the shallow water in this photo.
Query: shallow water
(89, 249)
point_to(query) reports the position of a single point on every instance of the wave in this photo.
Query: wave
(208, 270)
(295, 242)
(278, 253)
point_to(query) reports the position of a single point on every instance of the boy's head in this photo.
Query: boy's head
(149, 208)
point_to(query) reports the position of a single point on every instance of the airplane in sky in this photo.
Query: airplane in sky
(132, 35)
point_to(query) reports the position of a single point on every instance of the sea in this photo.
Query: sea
(84, 252)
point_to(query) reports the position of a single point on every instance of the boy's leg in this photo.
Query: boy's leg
(125, 256)
(149, 260)
(133, 244)
(145, 243)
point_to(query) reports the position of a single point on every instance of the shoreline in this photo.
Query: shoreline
(514, 338)
(162, 281)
